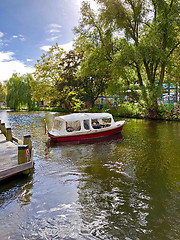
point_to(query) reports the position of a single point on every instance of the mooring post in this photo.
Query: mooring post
(0, 124)
(8, 134)
(3, 129)
(27, 141)
(22, 154)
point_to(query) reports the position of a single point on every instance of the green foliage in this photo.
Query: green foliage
(94, 39)
(47, 74)
(128, 109)
(78, 106)
(55, 81)
(126, 48)
(169, 111)
(94, 109)
(2, 93)
(19, 91)
(51, 109)
(147, 47)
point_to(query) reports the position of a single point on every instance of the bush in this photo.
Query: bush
(169, 111)
(127, 109)
(50, 109)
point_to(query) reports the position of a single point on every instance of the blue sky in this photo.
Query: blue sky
(29, 27)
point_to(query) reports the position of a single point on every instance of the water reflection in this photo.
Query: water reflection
(111, 202)
(123, 187)
(16, 188)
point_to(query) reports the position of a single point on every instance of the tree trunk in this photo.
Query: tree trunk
(153, 111)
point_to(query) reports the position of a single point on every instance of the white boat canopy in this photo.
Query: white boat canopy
(82, 116)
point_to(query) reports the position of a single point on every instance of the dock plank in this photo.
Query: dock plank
(15, 169)
(8, 153)
(9, 159)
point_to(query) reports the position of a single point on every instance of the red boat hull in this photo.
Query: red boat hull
(86, 136)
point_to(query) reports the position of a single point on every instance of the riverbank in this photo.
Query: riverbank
(167, 112)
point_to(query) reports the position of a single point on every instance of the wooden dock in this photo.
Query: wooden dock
(14, 158)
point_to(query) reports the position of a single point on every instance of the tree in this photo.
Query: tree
(55, 77)
(19, 91)
(94, 39)
(93, 77)
(2, 93)
(27, 93)
(149, 30)
(46, 75)
(68, 85)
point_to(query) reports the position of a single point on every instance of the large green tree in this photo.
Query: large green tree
(55, 80)
(93, 77)
(95, 40)
(150, 32)
(138, 39)
(46, 75)
(19, 91)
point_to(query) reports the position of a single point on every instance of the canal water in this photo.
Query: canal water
(122, 187)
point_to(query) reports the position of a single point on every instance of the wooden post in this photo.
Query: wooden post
(27, 141)
(0, 124)
(3, 129)
(22, 154)
(8, 134)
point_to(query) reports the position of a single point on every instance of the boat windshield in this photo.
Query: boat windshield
(101, 123)
(106, 121)
(58, 124)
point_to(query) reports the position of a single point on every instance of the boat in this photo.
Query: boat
(81, 126)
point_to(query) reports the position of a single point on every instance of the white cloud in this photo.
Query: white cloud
(1, 34)
(53, 32)
(67, 47)
(29, 60)
(10, 65)
(2, 42)
(6, 56)
(20, 37)
(53, 38)
(45, 48)
(54, 25)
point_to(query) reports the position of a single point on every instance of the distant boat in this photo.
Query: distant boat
(80, 126)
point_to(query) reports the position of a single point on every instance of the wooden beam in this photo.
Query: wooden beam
(16, 169)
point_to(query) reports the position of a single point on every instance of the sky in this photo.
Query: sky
(29, 27)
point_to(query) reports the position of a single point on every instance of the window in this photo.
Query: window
(106, 122)
(101, 123)
(95, 124)
(86, 124)
(57, 125)
(73, 126)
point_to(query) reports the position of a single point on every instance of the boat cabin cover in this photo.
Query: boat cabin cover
(82, 122)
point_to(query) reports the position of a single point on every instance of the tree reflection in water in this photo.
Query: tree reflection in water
(125, 187)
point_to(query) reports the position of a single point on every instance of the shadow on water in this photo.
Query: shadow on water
(17, 187)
